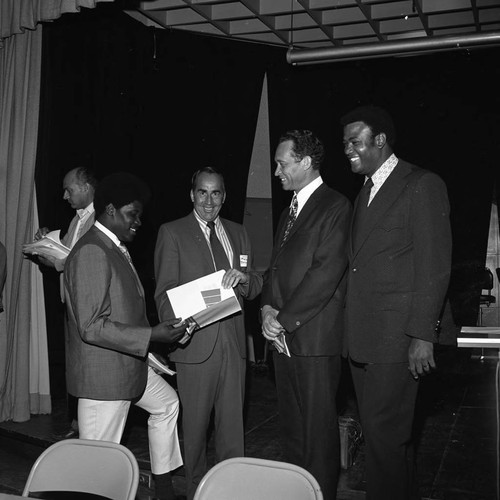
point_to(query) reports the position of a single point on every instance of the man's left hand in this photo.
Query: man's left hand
(421, 357)
(234, 277)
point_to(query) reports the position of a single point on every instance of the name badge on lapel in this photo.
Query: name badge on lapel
(243, 261)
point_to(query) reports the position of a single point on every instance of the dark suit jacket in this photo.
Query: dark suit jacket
(305, 280)
(398, 275)
(182, 255)
(108, 331)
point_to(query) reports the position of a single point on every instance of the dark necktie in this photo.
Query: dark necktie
(292, 216)
(361, 210)
(218, 252)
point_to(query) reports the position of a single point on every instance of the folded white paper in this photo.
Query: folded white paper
(49, 246)
(154, 362)
(203, 301)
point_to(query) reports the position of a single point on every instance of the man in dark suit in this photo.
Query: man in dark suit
(108, 335)
(399, 268)
(303, 297)
(211, 366)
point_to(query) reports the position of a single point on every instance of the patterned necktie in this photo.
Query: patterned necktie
(361, 210)
(292, 216)
(218, 252)
(125, 252)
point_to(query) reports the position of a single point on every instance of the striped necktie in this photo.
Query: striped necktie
(218, 252)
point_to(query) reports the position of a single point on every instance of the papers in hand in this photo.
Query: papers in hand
(202, 302)
(280, 344)
(49, 246)
(154, 362)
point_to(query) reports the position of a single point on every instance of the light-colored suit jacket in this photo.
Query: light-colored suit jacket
(399, 273)
(182, 255)
(108, 332)
(306, 277)
(67, 239)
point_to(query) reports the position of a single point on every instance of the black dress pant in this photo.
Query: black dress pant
(307, 388)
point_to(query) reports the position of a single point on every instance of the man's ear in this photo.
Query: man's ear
(380, 140)
(110, 209)
(191, 194)
(306, 162)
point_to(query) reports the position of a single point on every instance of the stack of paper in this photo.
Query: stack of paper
(49, 246)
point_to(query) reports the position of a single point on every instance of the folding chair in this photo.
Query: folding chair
(257, 479)
(80, 465)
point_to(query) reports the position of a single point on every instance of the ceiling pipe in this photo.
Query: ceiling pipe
(412, 46)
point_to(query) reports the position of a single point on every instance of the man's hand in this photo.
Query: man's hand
(271, 327)
(420, 357)
(41, 233)
(233, 277)
(169, 331)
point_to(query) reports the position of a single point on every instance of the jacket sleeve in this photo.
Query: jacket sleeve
(253, 287)
(432, 243)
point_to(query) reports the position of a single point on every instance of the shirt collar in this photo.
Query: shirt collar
(203, 223)
(112, 236)
(304, 194)
(380, 176)
(85, 212)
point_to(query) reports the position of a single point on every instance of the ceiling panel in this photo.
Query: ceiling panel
(323, 24)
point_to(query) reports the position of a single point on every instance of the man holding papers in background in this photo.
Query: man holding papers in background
(78, 190)
(303, 298)
(109, 335)
(211, 365)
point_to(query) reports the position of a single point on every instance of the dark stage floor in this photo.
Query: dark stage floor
(457, 430)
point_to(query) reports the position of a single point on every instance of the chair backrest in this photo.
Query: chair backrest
(80, 465)
(257, 479)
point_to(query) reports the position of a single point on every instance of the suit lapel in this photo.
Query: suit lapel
(121, 257)
(309, 207)
(68, 237)
(234, 241)
(383, 200)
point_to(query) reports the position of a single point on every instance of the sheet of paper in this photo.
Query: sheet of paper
(154, 362)
(50, 245)
(198, 295)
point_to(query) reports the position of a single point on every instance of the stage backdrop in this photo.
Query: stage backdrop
(117, 95)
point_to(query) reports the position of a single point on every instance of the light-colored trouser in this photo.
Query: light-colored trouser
(105, 421)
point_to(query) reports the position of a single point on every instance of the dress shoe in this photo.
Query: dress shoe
(68, 434)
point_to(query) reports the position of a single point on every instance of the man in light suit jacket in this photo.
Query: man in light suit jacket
(303, 297)
(399, 268)
(211, 366)
(108, 334)
(78, 190)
